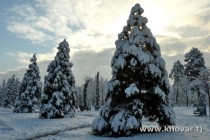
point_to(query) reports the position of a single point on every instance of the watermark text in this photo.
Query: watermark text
(198, 129)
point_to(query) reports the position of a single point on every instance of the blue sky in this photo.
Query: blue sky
(91, 28)
(10, 42)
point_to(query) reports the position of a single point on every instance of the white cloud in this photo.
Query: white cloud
(95, 24)
(87, 25)
(27, 32)
(24, 10)
(92, 24)
(22, 57)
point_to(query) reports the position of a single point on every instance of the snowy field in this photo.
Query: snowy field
(28, 126)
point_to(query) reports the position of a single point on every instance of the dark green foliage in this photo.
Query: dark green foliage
(97, 105)
(85, 96)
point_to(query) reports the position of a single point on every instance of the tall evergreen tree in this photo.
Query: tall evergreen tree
(177, 73)
(79, 100)
(91, 92)
(103, 89)
(195, 63)
(29, 95)
(203, 82)
(85, 94)
(1, 95)
(59, 94)
(139, 85)
(3, 92)
(97, 105)
(11, 91)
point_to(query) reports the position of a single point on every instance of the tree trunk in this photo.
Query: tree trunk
(177, 97)
(198, 95)
(209, 100)
(187, 101)
(102, 96)
(208, 105)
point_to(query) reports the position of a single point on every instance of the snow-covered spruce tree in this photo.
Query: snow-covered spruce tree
(139, 84)
(3, 92)
(97, 105)
(29, 95)
(86, 102)
(1, 95)
(59, 93)
(194, 64)
(11, 91)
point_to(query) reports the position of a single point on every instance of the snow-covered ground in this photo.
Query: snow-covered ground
(29, 126)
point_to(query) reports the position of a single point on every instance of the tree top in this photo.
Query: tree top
(64, 43)
(137, 9)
